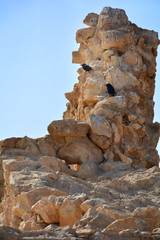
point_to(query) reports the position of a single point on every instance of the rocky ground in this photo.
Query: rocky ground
(96, 174)
(41, 201)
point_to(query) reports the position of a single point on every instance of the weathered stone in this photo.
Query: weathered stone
(116, 39)
(94, 220)
(76, 57)
(56, 164)
(149, 214)
(126, 223)
(128, 81)
(88, 170)
(33, 148)
(111, 188)
(70, 212)
(112, 213)
(111, 18)
(132, 58)
(84, 34)
(46, 147)
(91, 19)
(48, 208)
(80, 150)
(100, 221)
(31, 224)
(123, 55)
(68, 127)
(100, 126)
(102, 142)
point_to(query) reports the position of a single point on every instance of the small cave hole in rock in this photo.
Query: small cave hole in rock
(120, 53)
(125, 120)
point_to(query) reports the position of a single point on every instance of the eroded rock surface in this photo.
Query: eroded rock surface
(96, 175)
(123, 55)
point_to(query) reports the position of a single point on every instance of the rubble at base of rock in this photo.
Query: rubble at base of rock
(96, 175)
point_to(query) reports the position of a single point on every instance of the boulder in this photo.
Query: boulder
(88, 170)
(48, 208)
(112, 18)
(69, 211)
(91, 19)
(56, 164)
(80, 150)
(68, 127)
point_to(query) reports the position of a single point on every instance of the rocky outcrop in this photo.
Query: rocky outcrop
(123, 202)
(96, 175)
(123, 55)
(28, 147)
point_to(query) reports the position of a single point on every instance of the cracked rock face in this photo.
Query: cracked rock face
(123, 55)
(95, 176)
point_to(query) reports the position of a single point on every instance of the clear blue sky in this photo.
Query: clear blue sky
(37, 38)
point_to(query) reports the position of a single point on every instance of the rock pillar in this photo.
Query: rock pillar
(124, 55)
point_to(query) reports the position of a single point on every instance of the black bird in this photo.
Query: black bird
(110, 90)
(86, 67)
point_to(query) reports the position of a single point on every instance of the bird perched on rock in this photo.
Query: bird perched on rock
(110, 89)
(86, 67)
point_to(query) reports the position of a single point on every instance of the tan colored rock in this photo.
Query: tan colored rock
(76, 57)
(70, 212)
(112, 166)
(94, 220)
(80, 150)
(19, 147)
(102, 142)
(84, 34)
(149, 214)
(91, 19)
(122, 156)
(108, 54)
(91, 203)
(112, 213)
(25, 201)
(123, 55)
(86, 231)
(132, 58)
(127, 223)
(99, 222)
(15, 221)
(46, 146)
(111, 18)
(108, 155)
(100, 126)
(7, 144)
(11, 165)
(68, 127)
(48, 208)
(128, 80)
(31, 224)
(32, 148)
(116, 39)
(112, 191)
(88, 170)
(56, 164)
(127, 233)
(92, 89)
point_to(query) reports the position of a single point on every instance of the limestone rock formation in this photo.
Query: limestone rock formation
(123, 55)
(96, 175)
